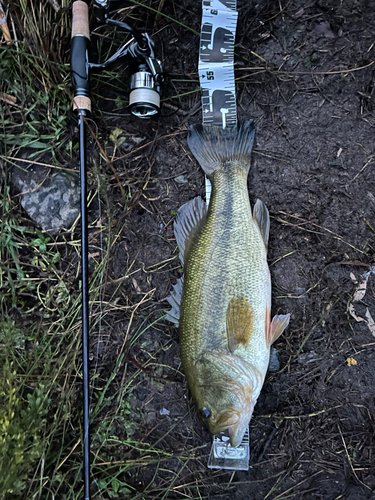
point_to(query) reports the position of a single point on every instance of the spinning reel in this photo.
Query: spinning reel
(146, 70)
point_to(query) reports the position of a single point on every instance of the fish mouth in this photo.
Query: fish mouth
(238, 429)
(227, 419)
(236, 421)
(237, 432)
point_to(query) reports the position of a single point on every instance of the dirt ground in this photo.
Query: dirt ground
(305, 73)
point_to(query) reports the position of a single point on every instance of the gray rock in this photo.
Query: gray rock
(51, 200)
(274, 365)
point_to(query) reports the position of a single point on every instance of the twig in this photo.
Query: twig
(336, 72)
(4, 25)
(295, 485)
(350, 462)
(335, 235)
(55, 5)
(371, 160)
(33, 162)
(292, 417)
(323, 317)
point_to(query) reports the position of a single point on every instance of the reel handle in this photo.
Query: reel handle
(79, 64)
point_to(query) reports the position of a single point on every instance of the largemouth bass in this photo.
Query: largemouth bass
(223, 302)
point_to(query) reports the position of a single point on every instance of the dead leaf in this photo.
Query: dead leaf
(10, 99)
(351, 361)
(358, 295)
(136, 286)
(353, 278)
(325, 28)
(352, 313)
(299, 13)
(115, 134)
(360, 291)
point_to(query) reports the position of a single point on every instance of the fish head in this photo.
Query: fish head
(226, 406)
(225, 394)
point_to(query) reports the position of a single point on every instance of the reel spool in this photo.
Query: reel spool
(144, 97)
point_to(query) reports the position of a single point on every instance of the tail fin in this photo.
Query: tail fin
(212, 146)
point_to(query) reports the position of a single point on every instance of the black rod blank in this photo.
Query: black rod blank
(85, 307)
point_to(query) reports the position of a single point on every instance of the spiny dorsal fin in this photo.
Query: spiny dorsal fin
(213, 146)
(175, 301)
(189, 219)
(262, 216)
(240, 322)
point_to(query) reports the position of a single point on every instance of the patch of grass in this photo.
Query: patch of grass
(40, 387)
(22, 411)
(35, 74)
(40, 408)
(38, 363)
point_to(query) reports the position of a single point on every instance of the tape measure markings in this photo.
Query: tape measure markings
(216, 65)
(219, 4)
(216, 57)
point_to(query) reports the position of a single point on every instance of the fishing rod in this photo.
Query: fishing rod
(82, 104)
(144, 102)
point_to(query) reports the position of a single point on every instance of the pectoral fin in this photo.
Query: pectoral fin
(240, 322)
(276, 328)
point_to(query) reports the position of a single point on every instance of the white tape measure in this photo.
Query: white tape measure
(216, 70)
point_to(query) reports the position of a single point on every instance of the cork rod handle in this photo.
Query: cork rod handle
(79, 64)
(80, 24)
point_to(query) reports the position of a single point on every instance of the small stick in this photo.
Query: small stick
(4, 25)
(55, 5)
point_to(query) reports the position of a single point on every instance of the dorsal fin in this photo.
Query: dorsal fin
(189, 219)
(262, 216)
(240, 322)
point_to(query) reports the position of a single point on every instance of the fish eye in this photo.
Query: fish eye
(204, 412)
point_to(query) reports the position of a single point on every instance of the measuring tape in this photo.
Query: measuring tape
(216, 70)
